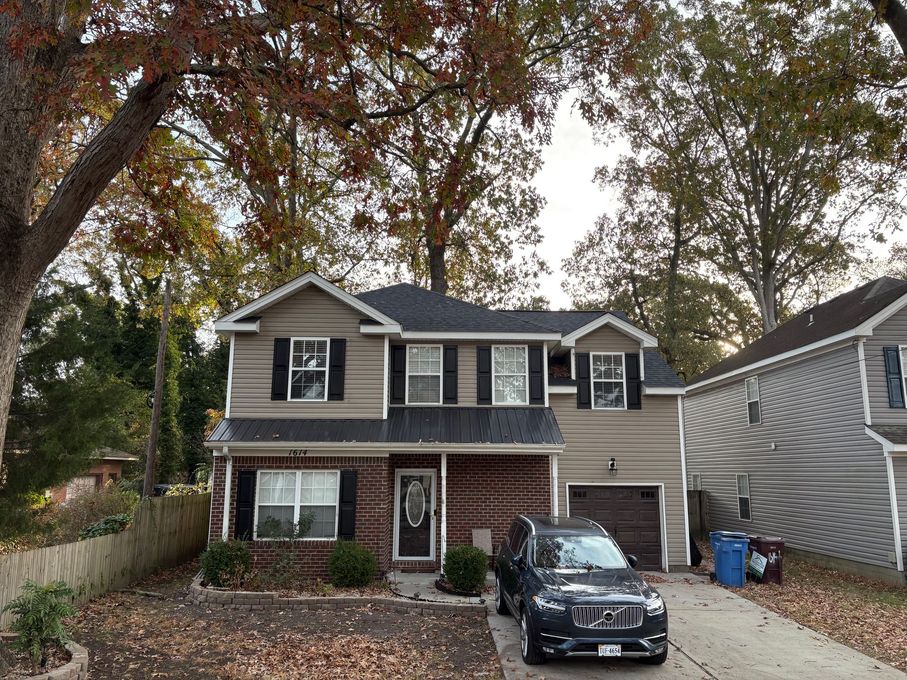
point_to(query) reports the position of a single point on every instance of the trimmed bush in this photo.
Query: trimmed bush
(109, 525)
(226, 563)
(39, 612)
(351, 565)
(465, 567)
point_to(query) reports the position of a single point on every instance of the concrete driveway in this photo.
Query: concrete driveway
(714, 634)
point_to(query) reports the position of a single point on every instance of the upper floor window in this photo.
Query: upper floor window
(423, 374)
(309, 369)
(510, 374)
(754, 411)
(609, 386)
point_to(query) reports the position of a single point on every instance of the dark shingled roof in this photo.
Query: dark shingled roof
(658, 373)
(840, 314)
(896, 434)
(404, 425)
(565, 321)
(417, 309)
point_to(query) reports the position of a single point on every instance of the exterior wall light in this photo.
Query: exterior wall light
(612, 467)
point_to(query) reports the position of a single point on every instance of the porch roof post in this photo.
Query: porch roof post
(443, 508)
(228, 483)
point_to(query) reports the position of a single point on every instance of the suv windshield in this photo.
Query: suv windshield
(577, 552)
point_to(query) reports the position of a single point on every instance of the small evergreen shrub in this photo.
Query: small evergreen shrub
(109, 525)
(39, 612)
(226, 563)
(351, 565)
(465, 567)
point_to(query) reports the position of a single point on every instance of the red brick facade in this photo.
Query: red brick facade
(483, 492)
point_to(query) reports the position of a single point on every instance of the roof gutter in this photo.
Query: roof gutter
(282, 447)
(397, 330)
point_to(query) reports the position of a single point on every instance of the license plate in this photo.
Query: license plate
(609, 650)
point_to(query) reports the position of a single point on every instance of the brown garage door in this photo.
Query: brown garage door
(629, 513)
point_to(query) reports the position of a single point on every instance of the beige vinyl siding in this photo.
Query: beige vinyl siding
(606, 339)
(824, 487)
(646, 445)
(309, 313)
(891, 333)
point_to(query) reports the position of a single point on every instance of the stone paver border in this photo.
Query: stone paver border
(271, 601)
(76, 669)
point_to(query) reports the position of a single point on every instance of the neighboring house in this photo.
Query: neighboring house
(408, 420)
(108, 467)
(803, 434)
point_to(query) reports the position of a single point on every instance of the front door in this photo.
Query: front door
(414, 515)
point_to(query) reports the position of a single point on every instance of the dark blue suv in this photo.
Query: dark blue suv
(575, 593)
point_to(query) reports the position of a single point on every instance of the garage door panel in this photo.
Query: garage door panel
(629, 513)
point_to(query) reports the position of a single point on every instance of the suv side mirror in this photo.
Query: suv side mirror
(519, 562)
(631, 559)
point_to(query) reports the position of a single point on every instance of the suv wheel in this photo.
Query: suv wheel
(530, 653)
(499, 605)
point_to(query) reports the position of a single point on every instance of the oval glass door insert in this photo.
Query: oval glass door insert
(415, 504)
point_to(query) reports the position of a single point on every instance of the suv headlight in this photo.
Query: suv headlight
(549, 606)
(654, 604)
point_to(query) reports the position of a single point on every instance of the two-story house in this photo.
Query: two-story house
(803, 434)
(406, 419)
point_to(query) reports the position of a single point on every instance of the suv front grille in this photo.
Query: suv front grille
(620, 616)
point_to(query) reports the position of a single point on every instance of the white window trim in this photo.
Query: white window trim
(592, 380)
(901, 349)
(297, 501)
(327, 369)
(440, 375)
(748, 495)
(757, 400)
(494, 401)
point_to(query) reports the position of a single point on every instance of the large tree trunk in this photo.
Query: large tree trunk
(894, 14)
(157, 406)
(436, 247)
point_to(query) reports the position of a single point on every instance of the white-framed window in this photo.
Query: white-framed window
(289, 500)
(309, 369)
(510, 374)
(753, 408)
(744, 511)
(609, 381)
(423, 374)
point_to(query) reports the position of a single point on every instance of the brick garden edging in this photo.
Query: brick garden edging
(76, 669)
(270, 601)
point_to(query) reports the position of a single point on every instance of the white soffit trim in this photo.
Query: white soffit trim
(619, 324)
(655, 391)
(251, 326)
(888, 446)
(396, 329)
(286, 290)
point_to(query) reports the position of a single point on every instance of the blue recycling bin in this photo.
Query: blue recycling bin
(730, 548)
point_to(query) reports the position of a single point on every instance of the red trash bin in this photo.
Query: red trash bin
(772, 549)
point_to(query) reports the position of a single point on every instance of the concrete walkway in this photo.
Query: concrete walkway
(714, 634)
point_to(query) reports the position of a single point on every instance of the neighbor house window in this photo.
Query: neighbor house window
(510, 374)
(297, 504)
(608, 381)
(423, 374)
(752, 400)
(309, 369)
(743, 497)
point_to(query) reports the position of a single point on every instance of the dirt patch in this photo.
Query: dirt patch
(130, 635)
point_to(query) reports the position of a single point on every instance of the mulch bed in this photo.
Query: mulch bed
(870, 616)
(15, 664)
(130, 635)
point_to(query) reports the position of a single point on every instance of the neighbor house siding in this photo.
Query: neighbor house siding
(824, 487)
(309, 313)
(891, 333)
(645, 444)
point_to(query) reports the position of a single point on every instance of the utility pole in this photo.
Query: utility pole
(148, 489)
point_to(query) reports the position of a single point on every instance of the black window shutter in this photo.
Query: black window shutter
(398, 374)
(634, 381)
(245, 504)
(583, 380)
(280, 369)
(337, 369)
(346, 526)
(483, 375)
(893, 377)
(536, 375)
(450, 374)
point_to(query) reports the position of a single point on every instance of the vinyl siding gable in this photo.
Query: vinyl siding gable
(606, 339)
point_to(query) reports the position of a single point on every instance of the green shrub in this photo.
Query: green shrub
(109, 525)
(226, 563)
(187, 489)
(39, 612)
(351, 565)
(82, 511)
(465, 567)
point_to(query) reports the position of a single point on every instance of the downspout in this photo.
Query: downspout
(683, 473)
(554, 485)
(864, 384)
(895, 519)
(228, 487)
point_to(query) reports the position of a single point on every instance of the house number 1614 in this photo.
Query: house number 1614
(298, 452)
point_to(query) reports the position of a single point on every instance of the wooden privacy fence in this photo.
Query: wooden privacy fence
(166, 531)
(698, 508)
